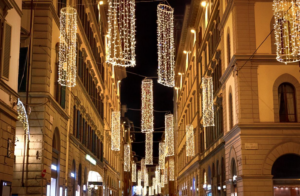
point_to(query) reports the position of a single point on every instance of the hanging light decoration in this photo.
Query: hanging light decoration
(146, 179)
(150, 190)
(162, 155)
(142, 169)
(147, 106)
(190, 142)
(208, 102)
(286, 30)
(169, 135)
(126, 157)
(165, 44)
(138, 190)
(140, 178)
(145, 190)
(67, 47)
(171, 169)
(133, 174)
(158, 189)
(149, 149)
(115, 131)
(166, 175)
(121, 33)
(154, 183)
(162, 181)
(157, 175)
(22, 116)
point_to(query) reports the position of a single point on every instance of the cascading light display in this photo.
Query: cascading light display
(147, 106)
(142, 169)
(286, 26)
(162, 181)
(121, 33)
(165, 45)
(22, 116)
(139, 178)
(157, 175)
(126, 157)
(190, 142)
(166, 175)
(169, 129)
(133, 174)
(162, 155)
(115, 131)
(149, 149)
(146, 178)
(67, 47)
(208, 102)
(171, 169)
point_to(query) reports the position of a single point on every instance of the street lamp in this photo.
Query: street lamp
(203, 3)
(194, 32)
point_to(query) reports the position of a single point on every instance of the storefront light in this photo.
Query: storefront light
(66, 192)
(84, 187)
(54, 167)
(90, 159)
(204, 186)
(60, 191)
(208, 187)
(219, 188)
(48, 190)
(72, 175)
(234, 178)
(224, 187)
(191, 188)
(96, 187)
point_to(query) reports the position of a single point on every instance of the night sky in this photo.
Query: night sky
(146, 57)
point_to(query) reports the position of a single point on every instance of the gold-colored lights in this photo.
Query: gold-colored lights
(133, 174)
(67, 47)
(162, 181)
(121, 31)
(22, 116)
(146, 178)
(203, 3)
(142, 168)
(162, 148)
(165, 45)
(140, 178)
(286, 30)
(171, 169)
(166, 175)
(190, 142)
(149, 149)
(208, 102)
(169, 129)
(147, 106)
(115, 131)
(127, 158)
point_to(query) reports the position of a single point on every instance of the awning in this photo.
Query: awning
(95, 178)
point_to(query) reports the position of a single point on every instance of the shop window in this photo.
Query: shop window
(287, 103)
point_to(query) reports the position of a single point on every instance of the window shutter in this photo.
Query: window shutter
(6, 50)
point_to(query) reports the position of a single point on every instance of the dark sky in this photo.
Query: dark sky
(146, 57)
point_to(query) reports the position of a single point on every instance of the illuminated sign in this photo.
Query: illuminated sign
(90, 159)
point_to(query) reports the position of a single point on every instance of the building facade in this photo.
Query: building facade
(10, 21)
(67, 150)
(255, 107)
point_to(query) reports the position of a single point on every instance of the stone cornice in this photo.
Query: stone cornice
(18, 10)
(8, 89)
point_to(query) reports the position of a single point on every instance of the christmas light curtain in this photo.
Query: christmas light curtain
(165, 45)
(121, 33)
(162, 155)
(67, 47)
(149, 149)
(142, 169)
(286, 14)
(127, 158)
(190, 142)
(169, 129)
(147, 106)
(162, 180)
(133, 174)
(140, 178)
(115, 131)
(208, 102)
(166, 175)
(171, 169)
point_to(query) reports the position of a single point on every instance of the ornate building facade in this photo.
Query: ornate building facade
(255, 108)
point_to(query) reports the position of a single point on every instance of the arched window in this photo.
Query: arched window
(287, 103)
(55, 162)
(234, 178)
(228, 49)
(230, 111)
(286, 167)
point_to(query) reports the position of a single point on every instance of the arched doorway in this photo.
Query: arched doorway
(234, 178)
(55, 163)
(286, 175)
(95, 182)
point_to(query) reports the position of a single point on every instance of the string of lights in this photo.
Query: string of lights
(133, 173)
(208, 102)
(23, 117)
(67, 47)
(115, 130)
(126, 157)
(142, 169)
(149, 149)
(162, 148)
(166, 175)
(171, 169)
(169, 135)
(190, 142)
(147, 106)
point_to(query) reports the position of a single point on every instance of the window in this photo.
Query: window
(60, 4)
(287, 103)
(22, 69)
(60, 91)
(5, 60)
(55, 163)
(228, 49)
(230, 112)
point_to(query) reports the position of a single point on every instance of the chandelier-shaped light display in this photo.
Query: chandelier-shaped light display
(162, 155)
(165, 44)
(208, 102)
(286, 30)
(133, 174)
(190, 142)
(149, 149)
(166, 175)
(147, 106)
(140, 178)
(171, 169)
(142, 169)
(126, 157)
(169, 128)
(67, 47)
(162, 180)
(115, 131)
(121, 33)
(22, 116)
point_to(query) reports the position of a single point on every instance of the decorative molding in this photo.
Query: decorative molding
(18, 10)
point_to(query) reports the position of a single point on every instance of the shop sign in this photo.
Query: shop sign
(90, 159)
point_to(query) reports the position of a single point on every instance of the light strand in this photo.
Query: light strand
(162, 181)
(133, 174)
(126, 157)
(162, 148)
(67, 47)
(208, 102)
(115, 131)
(166, 175)
(169, 128)
(139, 178)
(142, 169)
(22, 116)
(147, 106)
(171, 169)
(149, 149)
(190, 142)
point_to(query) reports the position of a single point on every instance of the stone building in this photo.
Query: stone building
(253, 147)
(10, 21)
(68, 148)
